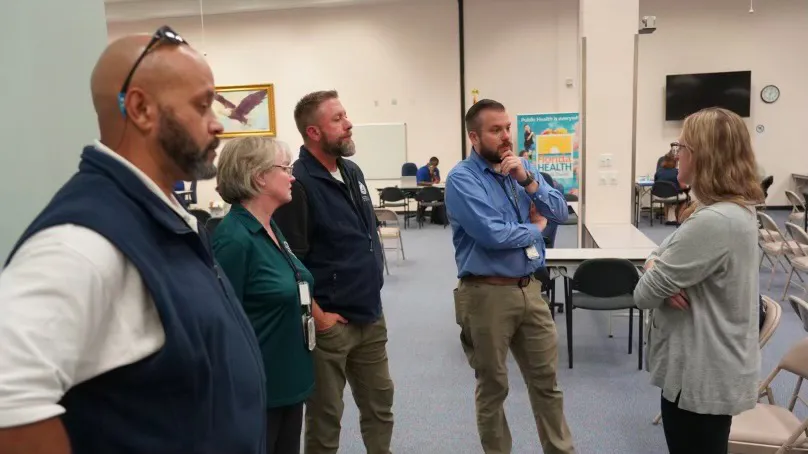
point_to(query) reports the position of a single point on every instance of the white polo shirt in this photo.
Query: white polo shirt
(73, 307)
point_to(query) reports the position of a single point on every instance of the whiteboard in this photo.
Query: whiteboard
(381, 149)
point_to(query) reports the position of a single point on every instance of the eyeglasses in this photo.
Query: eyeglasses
(287, 169)
(676, 147)
(163, 35)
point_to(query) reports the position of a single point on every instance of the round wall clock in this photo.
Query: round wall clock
(770, 94)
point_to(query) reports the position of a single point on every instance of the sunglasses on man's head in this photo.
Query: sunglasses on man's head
(163, 35)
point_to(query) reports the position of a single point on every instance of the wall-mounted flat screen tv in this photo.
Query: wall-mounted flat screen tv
(689, 93)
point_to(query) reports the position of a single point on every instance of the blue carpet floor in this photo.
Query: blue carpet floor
(608, 401)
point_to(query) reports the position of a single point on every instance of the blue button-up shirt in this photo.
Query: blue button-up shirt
(488, 236)
(423, 175)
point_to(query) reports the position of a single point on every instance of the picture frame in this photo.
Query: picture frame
(245, 110)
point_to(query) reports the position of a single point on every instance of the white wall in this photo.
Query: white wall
(45, 82)
(518, 51)
(697, 36)
(402, 52)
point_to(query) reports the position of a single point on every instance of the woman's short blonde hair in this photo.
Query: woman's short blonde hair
(241, 160)
(723, 163)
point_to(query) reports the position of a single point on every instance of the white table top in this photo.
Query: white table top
(574, 206)
(618, 236)
(574, 256)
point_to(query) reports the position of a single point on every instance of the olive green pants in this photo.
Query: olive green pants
(358, 354)
(494, 319)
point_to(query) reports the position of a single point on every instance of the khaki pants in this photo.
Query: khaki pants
(357, 353)
(493, 319)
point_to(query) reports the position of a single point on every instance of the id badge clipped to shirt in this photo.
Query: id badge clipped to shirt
(532, 253)
(309, 331)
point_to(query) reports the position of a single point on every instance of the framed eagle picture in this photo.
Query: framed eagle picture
(245, 110)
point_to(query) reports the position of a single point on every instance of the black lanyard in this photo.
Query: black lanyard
(515, 201)
(298, 278)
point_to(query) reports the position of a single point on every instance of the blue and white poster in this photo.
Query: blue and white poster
(552, 142)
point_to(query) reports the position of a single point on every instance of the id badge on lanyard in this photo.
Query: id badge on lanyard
(309, 329)
(531, 252)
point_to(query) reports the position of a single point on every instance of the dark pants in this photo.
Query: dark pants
(693, 433)
(283, 429)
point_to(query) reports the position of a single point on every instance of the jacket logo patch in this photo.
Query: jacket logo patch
(363, 189)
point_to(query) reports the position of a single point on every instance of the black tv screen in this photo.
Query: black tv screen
(689, 93)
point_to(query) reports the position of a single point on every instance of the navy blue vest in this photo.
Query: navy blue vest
(203, 391)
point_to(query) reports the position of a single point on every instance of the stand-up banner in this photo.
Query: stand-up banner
(551, 141)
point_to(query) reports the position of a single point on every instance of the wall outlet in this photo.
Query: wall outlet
(613, 178)
(607, 158)
(604, 178)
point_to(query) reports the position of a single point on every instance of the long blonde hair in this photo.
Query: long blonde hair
(724, 167)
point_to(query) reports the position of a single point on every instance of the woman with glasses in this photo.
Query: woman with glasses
(254, 175)
(702, 284)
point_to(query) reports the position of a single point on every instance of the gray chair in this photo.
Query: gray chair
(394, 197)
(604, 285)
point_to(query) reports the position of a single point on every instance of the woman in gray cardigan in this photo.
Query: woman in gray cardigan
(702, 284)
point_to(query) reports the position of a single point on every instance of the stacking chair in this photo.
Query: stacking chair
(766, 184)
(665, 193)
(409, 169)
(773, 315)
(797, 214)
(429, 197)
(801, 309)
(604, 285)
(393, 197)
(778, 249)
(390, 230)
(799, 255)
(771, 428)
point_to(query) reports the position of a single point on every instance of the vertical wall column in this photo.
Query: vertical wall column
(608, 30)
(50, 47)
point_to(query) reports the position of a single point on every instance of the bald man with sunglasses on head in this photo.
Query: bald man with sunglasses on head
(119, 332)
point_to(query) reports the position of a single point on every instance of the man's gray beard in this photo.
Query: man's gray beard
(340, 149)
(203, 170)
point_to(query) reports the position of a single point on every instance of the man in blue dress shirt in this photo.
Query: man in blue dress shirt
(428, 174)
(495, 207)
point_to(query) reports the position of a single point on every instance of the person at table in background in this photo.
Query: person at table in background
(668, 172)
(273, 286)
(119, 335)
(668, 155)
(340, 245)
(498, 246)
(703, 284)
(428, 174)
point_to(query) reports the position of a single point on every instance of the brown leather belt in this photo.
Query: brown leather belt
(497, 280)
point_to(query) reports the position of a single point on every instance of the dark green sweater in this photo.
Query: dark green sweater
(265, 283)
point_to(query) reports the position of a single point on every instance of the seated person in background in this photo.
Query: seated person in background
(524, 154)
(428, 174)
(663, 157)
(668, 172)
(179, 186)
